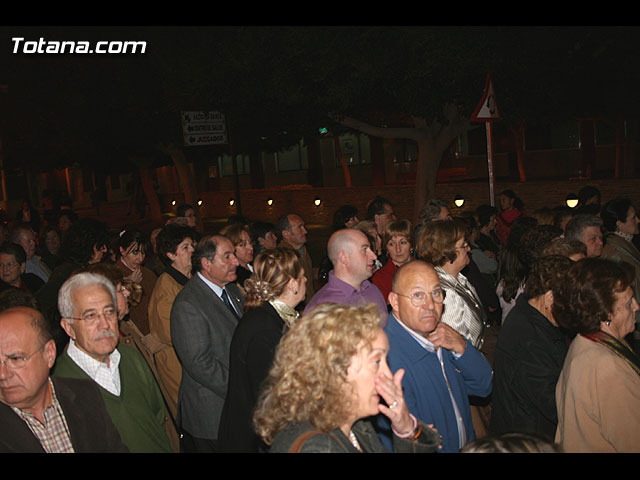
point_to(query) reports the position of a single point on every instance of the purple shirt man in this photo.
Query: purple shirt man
(353, 264)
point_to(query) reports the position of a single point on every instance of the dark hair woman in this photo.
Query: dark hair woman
(174, 247)
(132, 249)
(599, 387)
(529, 356)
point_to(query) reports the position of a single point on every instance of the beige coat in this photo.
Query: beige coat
(598, 401)
(167, 363)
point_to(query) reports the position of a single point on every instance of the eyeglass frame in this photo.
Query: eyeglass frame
(91, 322)
(10, 265)
(412, 297)
(24, 358)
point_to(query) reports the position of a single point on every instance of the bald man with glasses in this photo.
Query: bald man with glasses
(40, 414)
(442, 368)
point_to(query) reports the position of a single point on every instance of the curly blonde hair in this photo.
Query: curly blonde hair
(272, 270)
(308, 379)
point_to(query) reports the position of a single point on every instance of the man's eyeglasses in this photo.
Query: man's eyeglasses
(91, 318)
(9, 266)
(418, 299)
(16, 362)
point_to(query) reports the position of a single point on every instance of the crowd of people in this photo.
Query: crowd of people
(501, 330)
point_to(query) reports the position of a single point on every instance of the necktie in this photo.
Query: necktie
(225, 299)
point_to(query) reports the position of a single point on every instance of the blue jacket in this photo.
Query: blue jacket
(425, 389)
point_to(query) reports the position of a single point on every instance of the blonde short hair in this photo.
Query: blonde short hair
(401, 228)
(308, 377)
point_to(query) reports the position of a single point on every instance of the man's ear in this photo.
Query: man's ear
(67, 326)
(343, 257)
(393, 301)
(50, 352)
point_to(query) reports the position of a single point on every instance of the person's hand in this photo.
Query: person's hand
(390, 389)
(136, 276)
(446, 337)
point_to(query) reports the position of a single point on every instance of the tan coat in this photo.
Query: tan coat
(167, 363)
(598, 401)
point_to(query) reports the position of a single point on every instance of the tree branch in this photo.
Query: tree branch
(382, 132)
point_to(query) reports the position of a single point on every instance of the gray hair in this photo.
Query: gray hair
(431, 210)
(80, 280)
(576, 226)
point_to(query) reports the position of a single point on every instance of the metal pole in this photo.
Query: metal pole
(490, 161)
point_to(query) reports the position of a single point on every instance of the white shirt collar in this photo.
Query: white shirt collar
(216, 288)
(108, 377)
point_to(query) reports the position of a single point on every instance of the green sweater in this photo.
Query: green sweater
(139, 412)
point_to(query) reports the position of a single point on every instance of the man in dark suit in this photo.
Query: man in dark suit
(203, 318)
(40, 414)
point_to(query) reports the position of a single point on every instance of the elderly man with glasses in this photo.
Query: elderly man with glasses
(40, 414)
(88, 308)
(442, 368)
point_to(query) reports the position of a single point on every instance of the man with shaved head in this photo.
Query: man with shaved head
(353, 263)
(41, 414)
(442, 368)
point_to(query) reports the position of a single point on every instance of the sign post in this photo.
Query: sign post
(487, 111)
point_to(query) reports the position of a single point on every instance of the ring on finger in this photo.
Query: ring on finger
(393, 405)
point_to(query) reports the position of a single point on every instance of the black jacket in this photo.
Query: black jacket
(90, 425)
(528, 360)
(251, 354)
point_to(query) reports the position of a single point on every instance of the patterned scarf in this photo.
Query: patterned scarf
(288, 314)
(619, 347)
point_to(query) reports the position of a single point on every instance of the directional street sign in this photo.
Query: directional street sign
(204, 128)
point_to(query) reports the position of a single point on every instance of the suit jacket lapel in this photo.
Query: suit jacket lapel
(207, 292)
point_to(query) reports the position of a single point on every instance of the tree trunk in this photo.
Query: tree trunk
(426, 175)
(432, 139)
(343, 163)
(185, 175)
(518, 134)
(155, 210)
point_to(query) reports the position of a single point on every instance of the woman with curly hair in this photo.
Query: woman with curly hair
(329, 375)
(599, 387)
(277, 286)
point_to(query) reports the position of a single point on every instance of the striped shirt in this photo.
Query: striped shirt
(53, 434)
(463, 310)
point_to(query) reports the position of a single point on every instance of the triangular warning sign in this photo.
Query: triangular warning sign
(487, 109)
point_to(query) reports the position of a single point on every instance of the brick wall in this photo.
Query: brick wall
(300, 199)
